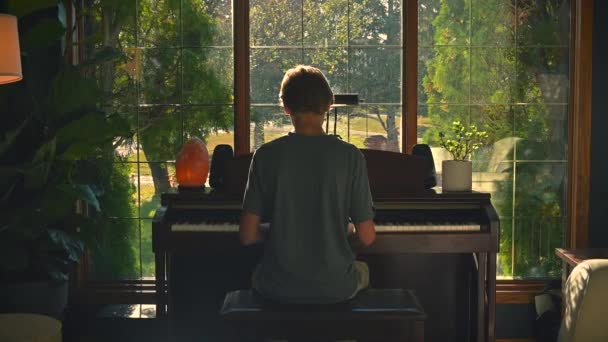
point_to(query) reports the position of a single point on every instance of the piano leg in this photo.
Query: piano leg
(418, 331)
(169, 294)
(481, 296)
(161, 294)
(491, 296)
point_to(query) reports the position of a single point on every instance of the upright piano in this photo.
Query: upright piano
(443, 245)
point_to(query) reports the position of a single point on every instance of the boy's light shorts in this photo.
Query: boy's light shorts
(362, 276)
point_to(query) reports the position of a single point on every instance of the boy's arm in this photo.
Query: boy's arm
(249, 229)
(361, 235)
(365, 232)
(361, 206)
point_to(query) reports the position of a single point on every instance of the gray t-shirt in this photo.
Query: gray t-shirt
(307, 187)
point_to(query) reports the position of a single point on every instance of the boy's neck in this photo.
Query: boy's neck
(308, 123)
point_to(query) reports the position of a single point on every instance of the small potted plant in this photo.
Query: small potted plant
(457, 174)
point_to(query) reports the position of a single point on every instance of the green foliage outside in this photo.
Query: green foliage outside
(470, 70)
(114, 255)
(169, 86)
(356, 45)
(508, 90)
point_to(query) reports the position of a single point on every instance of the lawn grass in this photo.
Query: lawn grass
(147, 255)
(219, 138)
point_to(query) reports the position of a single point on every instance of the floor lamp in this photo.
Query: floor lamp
(340, 100)
(10, 56)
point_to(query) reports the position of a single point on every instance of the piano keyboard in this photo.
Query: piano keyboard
(380, 228)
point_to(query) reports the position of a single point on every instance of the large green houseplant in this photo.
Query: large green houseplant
(53, 130)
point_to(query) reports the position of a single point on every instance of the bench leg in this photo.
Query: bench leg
(419, 331)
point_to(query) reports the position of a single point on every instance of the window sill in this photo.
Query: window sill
(143, 292)
(518, 291)
(117, 292)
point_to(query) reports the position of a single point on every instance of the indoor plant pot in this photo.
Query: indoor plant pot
(457, 175)
(56, 133)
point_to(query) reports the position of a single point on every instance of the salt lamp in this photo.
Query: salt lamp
(192, 164)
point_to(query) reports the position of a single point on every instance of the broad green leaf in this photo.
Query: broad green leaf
(82, 137)
(86, 194)
(61, 14)
(46, 152)
(66, 242)
(36, 175)
(93, 38)
(58, 201)
(71, 92)
(8, 181)
(43, 34)
(57, 268)
(78, 151)
(117, 3)
(22, 8)
(106, 54)
(120, 125)
(10, 136)
(88, 128)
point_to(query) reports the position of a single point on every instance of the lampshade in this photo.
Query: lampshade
(10, 57)
(345, 100)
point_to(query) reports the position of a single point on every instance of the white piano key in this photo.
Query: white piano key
(381, 228)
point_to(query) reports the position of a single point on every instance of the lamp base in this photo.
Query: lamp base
(191, 188)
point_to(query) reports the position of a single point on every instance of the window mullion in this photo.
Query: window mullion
(242, 100)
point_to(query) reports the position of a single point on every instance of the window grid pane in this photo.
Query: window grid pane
(499, 64)
(359, 49)
(175, 83)
(503, 65)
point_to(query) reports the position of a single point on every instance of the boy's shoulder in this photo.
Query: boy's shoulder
(333, 143)
(270, 146)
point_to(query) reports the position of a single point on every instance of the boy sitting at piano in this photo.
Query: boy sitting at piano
(308, 185)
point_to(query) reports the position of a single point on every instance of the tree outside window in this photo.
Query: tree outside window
(500, 64)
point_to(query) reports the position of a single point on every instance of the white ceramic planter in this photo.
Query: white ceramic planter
(456, 175)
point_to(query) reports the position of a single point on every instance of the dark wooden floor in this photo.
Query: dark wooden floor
(94, 327)
(437, 279)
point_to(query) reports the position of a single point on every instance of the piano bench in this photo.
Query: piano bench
(373, 315)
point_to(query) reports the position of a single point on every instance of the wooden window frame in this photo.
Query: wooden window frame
(579, 140)
(409, 80)
(579, 128)
(579, 149)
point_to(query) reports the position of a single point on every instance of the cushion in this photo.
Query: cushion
(370, 304)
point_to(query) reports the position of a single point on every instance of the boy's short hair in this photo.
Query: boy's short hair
(305, 89)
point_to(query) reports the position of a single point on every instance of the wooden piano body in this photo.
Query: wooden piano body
(451, 265)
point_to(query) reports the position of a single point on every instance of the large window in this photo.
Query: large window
(503, 65)
(500, 64)
(174, 83)
(357, 44)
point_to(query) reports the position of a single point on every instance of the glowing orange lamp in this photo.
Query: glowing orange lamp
(10, 56)
(192, 165)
